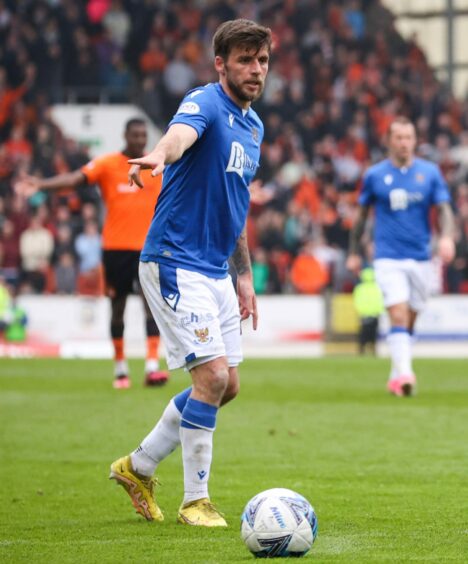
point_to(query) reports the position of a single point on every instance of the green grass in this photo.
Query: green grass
(387, 476)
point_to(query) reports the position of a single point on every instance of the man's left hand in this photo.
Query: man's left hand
(247, 299)
(446, 249)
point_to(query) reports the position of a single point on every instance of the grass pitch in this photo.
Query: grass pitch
(387, 476)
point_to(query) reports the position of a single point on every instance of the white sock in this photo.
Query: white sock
(121, 368)
(162, 440)
(197, 450)
(152, 365)
(400, 352)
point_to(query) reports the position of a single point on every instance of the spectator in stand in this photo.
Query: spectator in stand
(10, 95)
(459, 153)
(18, 214)
(117, 22)
(308, 274)
(116, 79)
(178, 77)
(64, 217)
(260, 271)
(18, 146)
(63, 242)
(2, 212)
(36, 248)
(150, 99)
(88, 249)
(298, 227)
(65, 274)
(154, 59)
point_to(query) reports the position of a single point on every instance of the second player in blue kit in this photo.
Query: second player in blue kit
(402, 190)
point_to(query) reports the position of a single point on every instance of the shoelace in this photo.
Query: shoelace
(151, 483)
(211, 509)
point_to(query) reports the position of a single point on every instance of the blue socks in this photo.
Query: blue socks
(199, 415)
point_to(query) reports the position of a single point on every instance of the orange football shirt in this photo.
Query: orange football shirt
(129, 210)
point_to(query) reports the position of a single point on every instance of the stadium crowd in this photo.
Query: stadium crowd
(339, 75)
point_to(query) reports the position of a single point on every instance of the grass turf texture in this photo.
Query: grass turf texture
(387, 476)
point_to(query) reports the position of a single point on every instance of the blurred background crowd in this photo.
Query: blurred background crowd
(339, 74)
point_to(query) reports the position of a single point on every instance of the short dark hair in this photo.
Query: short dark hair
(240, 32)
(134, 121)
(400, 120)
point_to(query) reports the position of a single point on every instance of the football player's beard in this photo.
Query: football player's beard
(241, 95)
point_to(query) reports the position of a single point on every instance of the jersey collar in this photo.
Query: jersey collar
(230, 101)
(403, 169)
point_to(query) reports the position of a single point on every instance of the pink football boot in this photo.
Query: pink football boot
(402, 386)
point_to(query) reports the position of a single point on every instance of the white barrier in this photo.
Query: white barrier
(100, 126)
(288, 326)
(444, 319)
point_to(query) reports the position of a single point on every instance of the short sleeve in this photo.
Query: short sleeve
(93, 170)
(366, 197)
(440, 191)
(198, 109)
(262, 133)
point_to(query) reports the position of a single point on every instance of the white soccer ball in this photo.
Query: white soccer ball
(278, 522)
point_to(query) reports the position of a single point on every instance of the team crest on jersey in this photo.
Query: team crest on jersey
(388, 179)
(255, 135)
(419, 178)
(203, 336)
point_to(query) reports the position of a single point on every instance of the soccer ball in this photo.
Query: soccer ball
(278, 522)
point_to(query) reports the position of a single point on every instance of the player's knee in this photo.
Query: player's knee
(399, 319)
(399, 315)
(232, 389)
(215, 379)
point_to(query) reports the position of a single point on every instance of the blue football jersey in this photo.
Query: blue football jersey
(402, 198)
(204, 200)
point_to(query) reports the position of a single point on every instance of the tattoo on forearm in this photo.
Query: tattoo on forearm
(240, 256)
(446, 220)
(356, 233)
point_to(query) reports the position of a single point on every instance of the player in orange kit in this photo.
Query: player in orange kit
(129, 212)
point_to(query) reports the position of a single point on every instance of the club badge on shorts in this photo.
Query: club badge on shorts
(202, 336)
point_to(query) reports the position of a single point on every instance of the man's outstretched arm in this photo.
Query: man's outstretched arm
(169, 149)
(29, 185)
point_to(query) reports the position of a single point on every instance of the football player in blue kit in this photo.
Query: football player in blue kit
(209, 155)
(402, 189)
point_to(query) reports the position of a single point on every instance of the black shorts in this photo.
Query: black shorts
(121, 272)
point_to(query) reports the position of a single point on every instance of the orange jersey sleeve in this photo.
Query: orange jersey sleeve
(129, 210)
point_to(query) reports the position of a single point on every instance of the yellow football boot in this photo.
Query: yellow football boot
(201, 513)
(139, 488)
